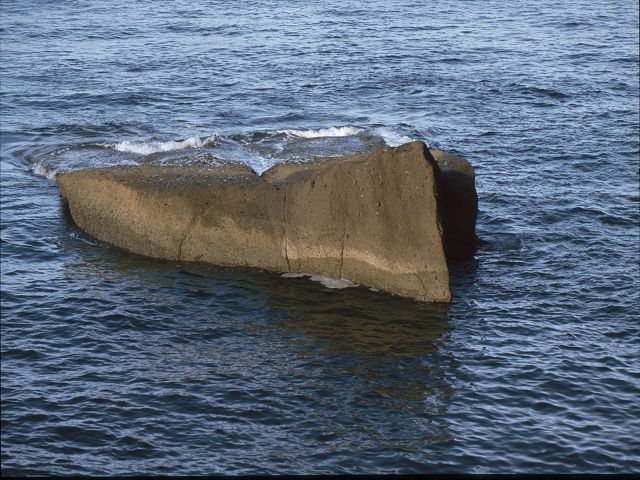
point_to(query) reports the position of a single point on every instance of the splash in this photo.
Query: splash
(40, 169)
(392, 137)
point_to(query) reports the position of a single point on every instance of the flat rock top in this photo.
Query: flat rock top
(283, 172)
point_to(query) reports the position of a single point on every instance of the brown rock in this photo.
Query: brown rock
(370, 218)
(458, 203)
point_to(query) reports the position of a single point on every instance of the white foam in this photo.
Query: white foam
(38, 168)
(324, 132)
(147, 148)
(258, 163)
(329, 282)
(392, 138)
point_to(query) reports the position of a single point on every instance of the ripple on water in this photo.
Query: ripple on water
(117, 364)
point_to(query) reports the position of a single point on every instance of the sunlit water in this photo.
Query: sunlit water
(114, 363)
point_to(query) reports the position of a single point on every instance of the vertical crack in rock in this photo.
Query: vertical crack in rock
(195, 221)
(436, 195)
(344, 231)
(286, 239)
(424, 287)
(189, 230)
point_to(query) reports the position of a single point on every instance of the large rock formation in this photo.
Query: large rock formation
(375, 219)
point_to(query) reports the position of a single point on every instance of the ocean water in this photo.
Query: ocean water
(118, 364)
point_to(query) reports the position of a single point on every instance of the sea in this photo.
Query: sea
(117, 364)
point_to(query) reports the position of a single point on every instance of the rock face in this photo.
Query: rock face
(459, 204)
(375, 219)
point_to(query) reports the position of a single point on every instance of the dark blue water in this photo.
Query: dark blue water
(114, 363)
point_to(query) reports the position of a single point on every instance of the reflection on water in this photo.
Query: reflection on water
(356, 324)
(389, 344)
(330, 352)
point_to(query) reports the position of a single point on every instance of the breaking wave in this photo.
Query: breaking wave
(324, 132)
(392, 137)
(260, 150)
(147, 148)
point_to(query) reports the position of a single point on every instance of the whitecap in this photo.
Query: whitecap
(324, 132)
(147, 148)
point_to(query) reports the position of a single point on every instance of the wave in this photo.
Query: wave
(540, 91)
(324, 132)
(41, 170)
(147, 148)
(392, 137)
(258, 149)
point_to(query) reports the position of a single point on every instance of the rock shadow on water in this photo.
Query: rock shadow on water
(358, 321)
(391, 345)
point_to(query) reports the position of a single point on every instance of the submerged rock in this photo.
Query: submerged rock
(375, 219)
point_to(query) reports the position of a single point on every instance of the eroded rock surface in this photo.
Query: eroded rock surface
(375, 218)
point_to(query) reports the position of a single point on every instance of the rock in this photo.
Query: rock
(370, 218)
(459, 204)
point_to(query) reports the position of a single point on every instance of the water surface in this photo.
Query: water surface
(114, 363)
